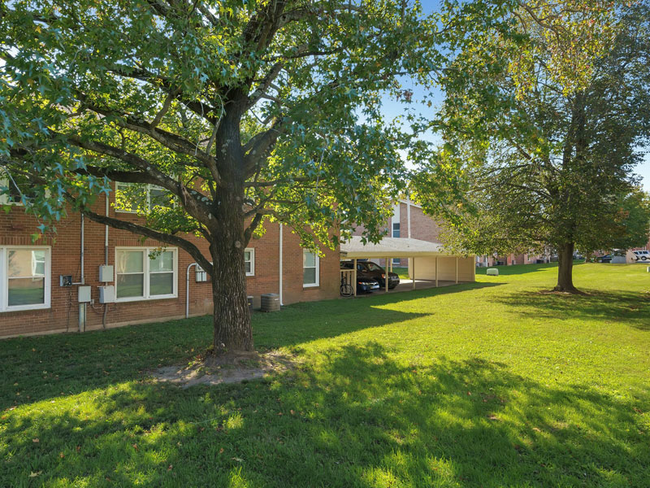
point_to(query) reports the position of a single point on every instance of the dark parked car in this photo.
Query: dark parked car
(368, 270)
(607, 258)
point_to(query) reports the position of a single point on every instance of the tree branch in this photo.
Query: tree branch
(153, 234)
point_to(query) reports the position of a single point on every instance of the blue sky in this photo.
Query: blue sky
(393, 109)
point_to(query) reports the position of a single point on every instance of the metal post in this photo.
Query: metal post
(436, 271)
(386, 276)
(414, 273)
(354, 278)
(187, 289)
(474, 272)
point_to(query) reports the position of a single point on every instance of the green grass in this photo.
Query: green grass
(402, 272)
(488, 384)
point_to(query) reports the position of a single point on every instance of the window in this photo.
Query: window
(24, 278)
(131, 198)
(9, 192)
(145, 274)
(310, 268)
(249, 261)
(395, 231)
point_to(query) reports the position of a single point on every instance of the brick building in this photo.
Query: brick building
(408, 220)
(33, 300)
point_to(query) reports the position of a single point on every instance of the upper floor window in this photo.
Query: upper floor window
(310, 268)
(10, 191)
(132, 198)
(396, 229)
(145, 273)
(24, 278)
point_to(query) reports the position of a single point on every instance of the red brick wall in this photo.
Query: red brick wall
(423, 227)
(63, 315)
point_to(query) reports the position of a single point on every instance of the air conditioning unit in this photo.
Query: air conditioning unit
(201, 275)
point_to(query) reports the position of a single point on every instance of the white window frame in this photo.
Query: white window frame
(147, 188)
(4, 279)
(398, 230)
(252, 261)
(317, 267)
(147, 274)
(4, 198)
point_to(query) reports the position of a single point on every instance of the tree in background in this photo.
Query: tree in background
(631, 225)
(542, 128)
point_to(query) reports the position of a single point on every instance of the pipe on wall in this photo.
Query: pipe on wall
(82, 306)
(280, 265)
(106, 259)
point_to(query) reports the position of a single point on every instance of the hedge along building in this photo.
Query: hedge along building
(53, 284)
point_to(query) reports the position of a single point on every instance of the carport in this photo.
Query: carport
(427, 260)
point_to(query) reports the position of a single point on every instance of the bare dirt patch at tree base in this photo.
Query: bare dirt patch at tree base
(229, 368)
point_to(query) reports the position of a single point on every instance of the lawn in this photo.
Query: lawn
(488, 384)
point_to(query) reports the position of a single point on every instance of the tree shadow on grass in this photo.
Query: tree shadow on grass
(304, 322)
(625, 307)
(39, 368)
(355, 416)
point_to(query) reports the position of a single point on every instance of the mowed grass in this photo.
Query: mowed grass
(488, 384)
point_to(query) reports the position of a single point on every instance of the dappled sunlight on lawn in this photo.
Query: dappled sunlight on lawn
(629, 308)
(356, 416)
(470, 385)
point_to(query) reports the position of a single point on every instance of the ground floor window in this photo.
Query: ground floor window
(310, 268)
(24, 278)
(146, 273)
(249, 261)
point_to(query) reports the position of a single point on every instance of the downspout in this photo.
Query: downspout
(408, 215)
(187, 290)
(82, 306)
(105, 261)
(280, 267)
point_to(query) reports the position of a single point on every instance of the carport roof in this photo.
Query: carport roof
(390, 247)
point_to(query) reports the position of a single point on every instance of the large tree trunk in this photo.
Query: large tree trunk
(232, 319)
(565, 268)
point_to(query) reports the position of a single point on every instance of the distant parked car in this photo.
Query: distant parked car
(607, 258)
(642, 256)
(372, 271)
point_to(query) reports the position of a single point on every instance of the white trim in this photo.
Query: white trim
(4, 279)
(252, 261)
(316, 267)
(410, 202)
(147, 189)
(146, 291)
(4, 198)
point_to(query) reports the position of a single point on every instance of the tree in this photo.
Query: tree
(242, 110)
(631, 224)
(539, 150)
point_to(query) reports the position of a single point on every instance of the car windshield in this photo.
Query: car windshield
(373, 267)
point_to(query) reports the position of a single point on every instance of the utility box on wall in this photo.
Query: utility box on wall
(84, 294)
(106, 274)
(107, 294)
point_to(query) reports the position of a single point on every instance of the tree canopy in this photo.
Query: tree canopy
(542, 127)
(241, 110)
